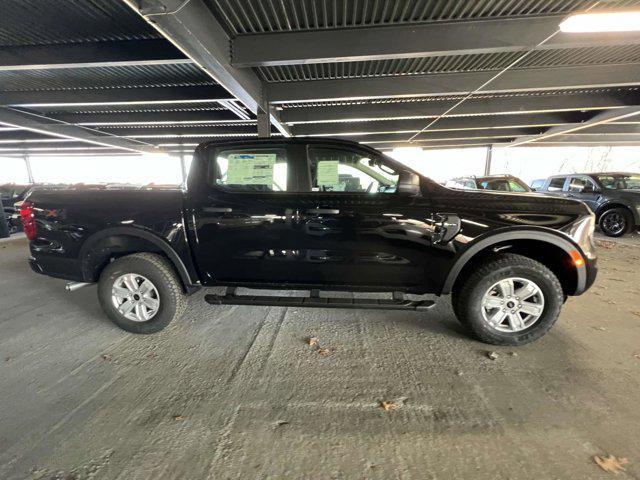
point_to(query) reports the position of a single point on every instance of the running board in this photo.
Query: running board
(318, 302)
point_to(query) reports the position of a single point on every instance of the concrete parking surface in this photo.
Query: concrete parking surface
(236, 392)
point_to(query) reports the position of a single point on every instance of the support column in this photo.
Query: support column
(487, 160)
(27, 163)
(264, 124)
(183, 168)
(183, 165)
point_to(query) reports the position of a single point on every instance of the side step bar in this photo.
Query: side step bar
(315, 301)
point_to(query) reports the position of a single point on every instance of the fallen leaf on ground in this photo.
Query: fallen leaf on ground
(637, 355)
(611, 463)
(178, 418)
(324, 351)
(513, 354)
(492, 355)
(312, 341)
(637, 314)
(605, 244)
(107, 357)
(281, 422)
(602, 329)
(387, 406)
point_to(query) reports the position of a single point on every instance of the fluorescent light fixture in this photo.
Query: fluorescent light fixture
(628, 21)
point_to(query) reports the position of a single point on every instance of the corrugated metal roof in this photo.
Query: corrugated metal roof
(448, 98)
(255, 16)
(40, 22)
(453, 63)
(107, 109)
(105, 77)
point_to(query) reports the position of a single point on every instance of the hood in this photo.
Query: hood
(508, 209)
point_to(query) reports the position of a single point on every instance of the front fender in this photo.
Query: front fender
(539, 234)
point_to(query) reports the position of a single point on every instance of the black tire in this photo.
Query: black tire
(616, 222)
(468, 295)
(172, 300)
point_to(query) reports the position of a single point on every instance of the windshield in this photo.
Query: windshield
(619, 182)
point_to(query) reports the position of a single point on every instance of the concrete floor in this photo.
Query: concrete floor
(235, 392)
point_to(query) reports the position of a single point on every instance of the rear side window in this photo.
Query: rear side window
(251, 170)
(338, 170)
(556, 184)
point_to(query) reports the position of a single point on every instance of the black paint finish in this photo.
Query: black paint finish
(298, 238)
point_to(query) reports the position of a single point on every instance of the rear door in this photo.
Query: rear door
(245, 215)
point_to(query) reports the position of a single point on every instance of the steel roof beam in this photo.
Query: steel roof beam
(606, 117)
(411, 41)
(453, 123)
(90, 55)
(519, 104)
(150, 118)
(193, 28)
(47, 126)
(114, 96)
(529, 79)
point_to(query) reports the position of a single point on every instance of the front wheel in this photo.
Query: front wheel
(141, 293)
(509, 299)
(615, 222)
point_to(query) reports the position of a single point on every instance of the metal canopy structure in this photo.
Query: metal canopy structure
(122, 76)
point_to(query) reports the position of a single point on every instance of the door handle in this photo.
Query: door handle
(324, 211)
(218, 209)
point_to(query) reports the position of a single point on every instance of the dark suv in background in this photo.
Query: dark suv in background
(613, 197)
(497, 183)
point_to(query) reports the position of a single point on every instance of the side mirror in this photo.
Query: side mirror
(408, 183)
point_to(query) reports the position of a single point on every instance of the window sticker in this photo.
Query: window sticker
(327, 175)
(251, 168)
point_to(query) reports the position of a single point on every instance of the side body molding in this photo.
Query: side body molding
(543, 235)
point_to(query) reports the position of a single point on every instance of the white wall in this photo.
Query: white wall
(527, 163)
(158, 169)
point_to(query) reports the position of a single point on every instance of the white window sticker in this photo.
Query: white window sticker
(327, 173)
(251, 168)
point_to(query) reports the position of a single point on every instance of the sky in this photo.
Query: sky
(528, 163)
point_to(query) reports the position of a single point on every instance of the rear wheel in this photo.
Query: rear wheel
(141, 293)
(615, 222)
(509, 299)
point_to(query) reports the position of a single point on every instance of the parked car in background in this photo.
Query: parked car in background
(537, 184)
(11, 193)
(613, 197)
(497, 183)
(316, 214)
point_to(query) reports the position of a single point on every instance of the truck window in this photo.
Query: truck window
(556, 184)
(577, 185)
(337, 170)
(251, 170)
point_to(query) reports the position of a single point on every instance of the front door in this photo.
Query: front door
(358, 230)
(582, 188)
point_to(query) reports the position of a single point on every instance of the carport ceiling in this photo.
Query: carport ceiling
(107, 76)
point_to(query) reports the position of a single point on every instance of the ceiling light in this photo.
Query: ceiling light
(602, 22)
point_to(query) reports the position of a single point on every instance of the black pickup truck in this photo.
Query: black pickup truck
(317, 215)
